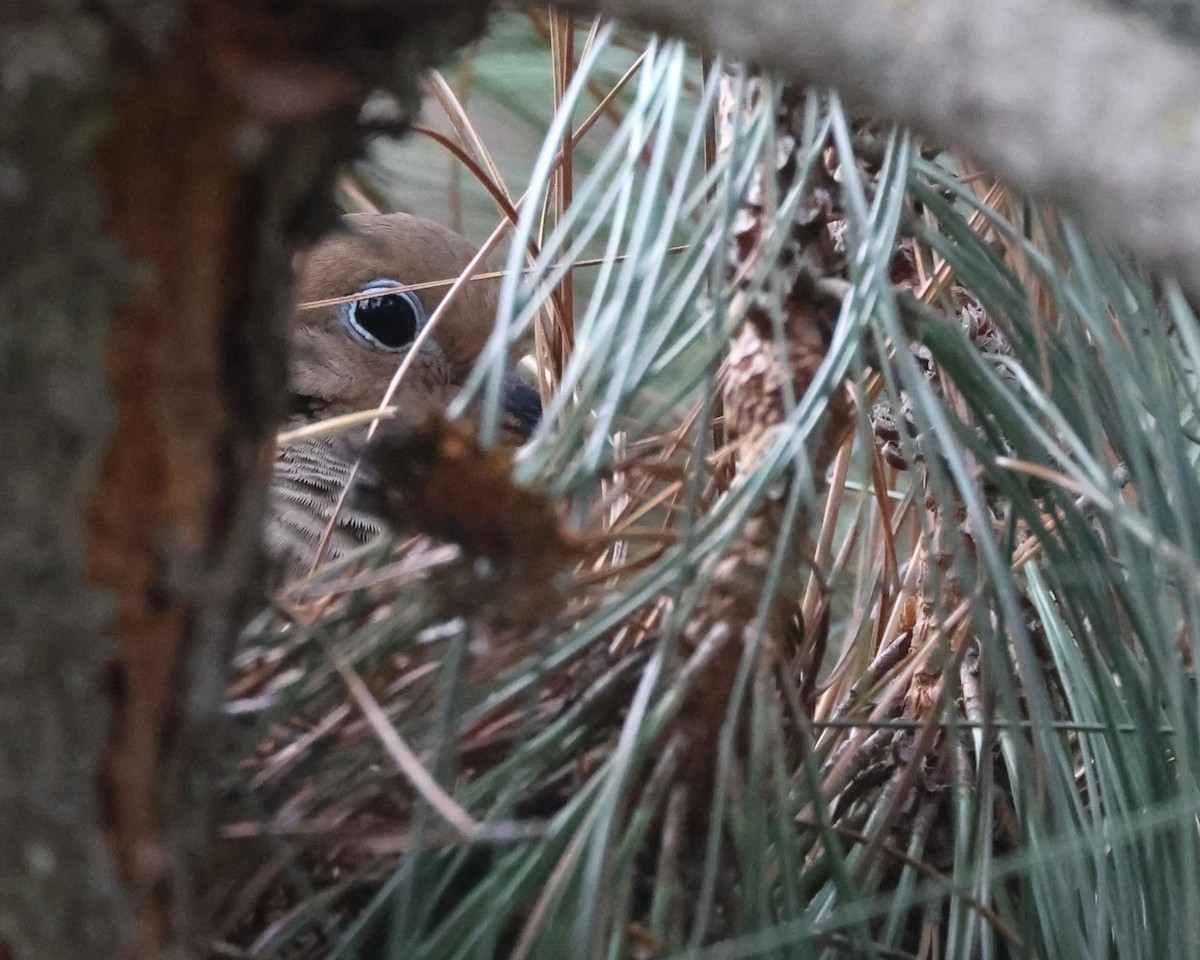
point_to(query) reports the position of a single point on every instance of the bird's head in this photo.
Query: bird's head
(344, 355)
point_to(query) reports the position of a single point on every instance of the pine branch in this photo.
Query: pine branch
(1073, 103)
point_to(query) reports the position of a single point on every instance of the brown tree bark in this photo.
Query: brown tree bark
(137, 405)
(58, 283)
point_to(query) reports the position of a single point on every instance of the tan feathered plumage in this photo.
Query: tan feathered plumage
(338, 367)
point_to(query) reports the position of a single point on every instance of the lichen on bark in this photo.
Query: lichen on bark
(58, 890)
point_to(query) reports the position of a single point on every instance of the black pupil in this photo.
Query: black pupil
(391, 320)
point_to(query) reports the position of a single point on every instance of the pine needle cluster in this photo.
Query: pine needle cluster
(844, 604)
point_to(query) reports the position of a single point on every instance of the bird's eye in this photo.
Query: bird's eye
(390, 321)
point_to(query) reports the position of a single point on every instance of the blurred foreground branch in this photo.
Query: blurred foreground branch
(1069, 101)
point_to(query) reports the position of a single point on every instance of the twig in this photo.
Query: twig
(406, 760)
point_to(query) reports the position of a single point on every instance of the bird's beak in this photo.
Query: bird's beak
(522, 408)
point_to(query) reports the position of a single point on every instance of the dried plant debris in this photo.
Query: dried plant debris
(441, 482)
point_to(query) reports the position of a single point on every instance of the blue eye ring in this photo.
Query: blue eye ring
(389, 322)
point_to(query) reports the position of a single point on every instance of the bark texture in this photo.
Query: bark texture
(60, 279)
(198, 140)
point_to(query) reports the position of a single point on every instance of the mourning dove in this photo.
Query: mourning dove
(345, 355)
